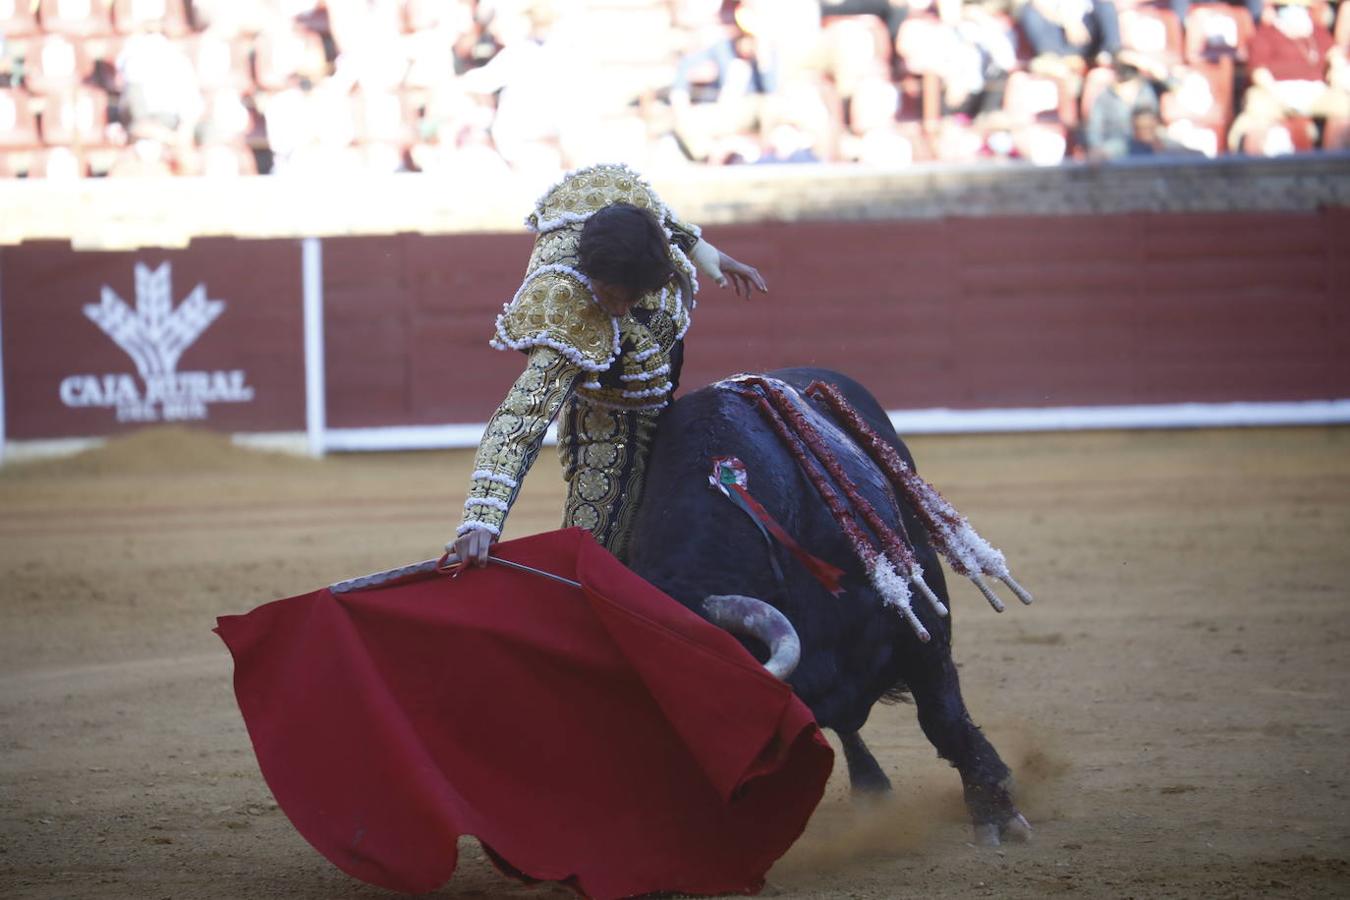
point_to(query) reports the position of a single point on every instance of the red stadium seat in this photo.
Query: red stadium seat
(1293, 134)
(855, 48)
(919, 46)
(79, 116)
(919, 140)
(217, 161)
(279, 55)
(383, 157)
(75, 18)
(15, 163)
(55, 163)
(1038, 98)
(131, 16)
(1207, 139)
(1336, 134)
(1152, 31)
(382, 118)
(220, 63)
(955, 141)
(856, 25)
(427, 15)
(1042, 143)
(918, 39)
(1095, 81)
(18, 119)
(1216, 30)
(1202, 93)
(55, 63)
(226, 117)
(17, 19)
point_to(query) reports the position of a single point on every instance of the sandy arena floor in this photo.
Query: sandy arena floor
(1174, 705)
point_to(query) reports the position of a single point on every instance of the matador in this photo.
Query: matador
(601, 314)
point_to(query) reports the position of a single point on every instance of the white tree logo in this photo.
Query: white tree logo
(154, 335)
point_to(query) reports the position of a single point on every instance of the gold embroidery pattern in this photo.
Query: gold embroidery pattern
(604, 455)
(555, 308)
(584, 191)
(511, 442)
(609, 423)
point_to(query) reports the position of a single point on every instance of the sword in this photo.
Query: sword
(445, 563)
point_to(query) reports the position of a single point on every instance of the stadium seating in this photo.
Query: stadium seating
(18, 120)
(55, 62)
(77, 117)
(168, 16)
(75, 18)
(396, 65)
(219, 62)
(1153, 31)
(1215, 30)
(18, 19)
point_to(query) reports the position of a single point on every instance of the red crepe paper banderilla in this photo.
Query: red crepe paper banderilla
(884, 552)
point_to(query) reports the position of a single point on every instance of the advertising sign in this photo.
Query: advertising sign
(99, 342)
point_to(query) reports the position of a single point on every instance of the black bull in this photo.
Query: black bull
(692, 542)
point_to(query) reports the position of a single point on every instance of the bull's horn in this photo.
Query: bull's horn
(757, 619)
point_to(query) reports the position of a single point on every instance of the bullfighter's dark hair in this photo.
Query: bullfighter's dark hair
(625, 245)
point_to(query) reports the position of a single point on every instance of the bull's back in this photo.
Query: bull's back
(690, 540)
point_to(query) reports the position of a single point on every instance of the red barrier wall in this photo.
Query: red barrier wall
(964, 313)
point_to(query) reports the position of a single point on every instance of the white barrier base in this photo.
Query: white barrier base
(1078, 418)
(940, 421)
(906, 422)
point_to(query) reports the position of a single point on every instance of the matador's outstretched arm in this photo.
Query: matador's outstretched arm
(513, 437)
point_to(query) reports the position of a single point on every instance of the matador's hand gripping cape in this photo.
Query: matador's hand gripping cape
(574, 346)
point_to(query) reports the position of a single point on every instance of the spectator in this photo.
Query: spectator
(717, 86)
(370, 48)
(161, 100)
(874, 136)
(144, 158)
(1148, 139)
(539, 79)
(1110, 120)
(734, 69)
(1066, 34)
(1293, 67)
(1256, 8)
(788, 143)
(892, 12)
(972, 52)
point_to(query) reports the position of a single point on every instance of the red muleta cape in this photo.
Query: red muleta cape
(605, 737)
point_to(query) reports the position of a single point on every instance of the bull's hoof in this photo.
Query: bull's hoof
(869, 784)
(1017, 830)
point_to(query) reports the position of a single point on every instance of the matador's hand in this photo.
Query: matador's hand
(742, 277)
(472, 546)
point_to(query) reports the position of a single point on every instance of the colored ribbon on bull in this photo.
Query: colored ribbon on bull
(729, 476)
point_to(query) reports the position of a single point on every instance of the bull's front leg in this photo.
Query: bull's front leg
(984, 776)
(865, 776)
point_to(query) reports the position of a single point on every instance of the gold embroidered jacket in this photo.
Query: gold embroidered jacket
(575, 348)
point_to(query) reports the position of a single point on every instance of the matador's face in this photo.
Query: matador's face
(615, 299)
